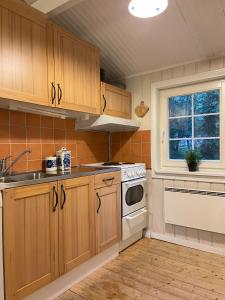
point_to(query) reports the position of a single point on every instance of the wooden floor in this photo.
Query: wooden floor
(152, 269)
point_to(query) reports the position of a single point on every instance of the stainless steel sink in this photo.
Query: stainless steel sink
(24, 177)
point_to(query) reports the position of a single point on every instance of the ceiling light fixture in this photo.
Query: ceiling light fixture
(147, 8)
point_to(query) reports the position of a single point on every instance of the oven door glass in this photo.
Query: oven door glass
(134, 195)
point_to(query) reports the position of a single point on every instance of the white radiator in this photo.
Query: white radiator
(198, 209)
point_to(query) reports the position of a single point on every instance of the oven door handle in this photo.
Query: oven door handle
(135, 182)
(143, 211)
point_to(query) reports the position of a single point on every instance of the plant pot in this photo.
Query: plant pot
(193, 166)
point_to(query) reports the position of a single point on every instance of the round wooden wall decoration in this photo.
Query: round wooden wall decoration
(141, 110)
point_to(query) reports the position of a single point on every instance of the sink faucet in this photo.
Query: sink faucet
(4, 168)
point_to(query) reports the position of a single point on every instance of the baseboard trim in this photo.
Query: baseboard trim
(65, 282)
(186, 243)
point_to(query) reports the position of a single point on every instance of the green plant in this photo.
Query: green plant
(192, 156)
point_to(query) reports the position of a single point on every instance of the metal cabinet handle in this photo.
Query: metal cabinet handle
(56, 197)
(99, 202)
(108, 179)
(53, 93)
(105, 102)
(59, 93)
(64, 196)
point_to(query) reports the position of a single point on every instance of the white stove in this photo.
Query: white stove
(129, 171)
(133, 199)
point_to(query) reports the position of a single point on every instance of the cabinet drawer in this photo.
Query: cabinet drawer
(107, 179)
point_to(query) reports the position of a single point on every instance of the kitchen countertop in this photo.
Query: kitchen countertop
(30, 178)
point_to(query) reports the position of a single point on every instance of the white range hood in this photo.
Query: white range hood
(107, 123)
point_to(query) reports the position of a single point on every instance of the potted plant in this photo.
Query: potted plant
(192, 158)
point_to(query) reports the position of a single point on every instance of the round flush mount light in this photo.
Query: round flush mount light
(147, 8)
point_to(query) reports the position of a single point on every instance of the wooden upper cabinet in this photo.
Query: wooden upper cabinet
(30, 232)
(77, 222)
(115, 101)
(77, 73)
(23, 52)
(108, 210)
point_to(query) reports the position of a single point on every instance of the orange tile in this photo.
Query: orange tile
(4, 116)
(47, 122)
(36, 153)
(59, 136)
(59, 123)
(16, 149)
(48, 150)
(115, 137)
(47, 135)
(72, 148)
(18, 118)
(146, 136)
(33, 120)
(126, 136)
(35, 165)
(136, 137)
(17, 134)
(136, 149)
(147, 161)
(83, 151)
(4, 150)
(4, 134)
(20, 166)
(70, 124)
(71, 136)
(146, 149)
(33, 135)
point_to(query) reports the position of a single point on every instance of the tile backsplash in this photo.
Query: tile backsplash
(44, 136)
(132, 147)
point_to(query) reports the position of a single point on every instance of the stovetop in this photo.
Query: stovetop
(113, 163)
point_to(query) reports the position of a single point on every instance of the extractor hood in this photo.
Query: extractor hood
(107, 123)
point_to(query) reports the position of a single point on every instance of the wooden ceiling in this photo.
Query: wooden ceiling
(188, 30)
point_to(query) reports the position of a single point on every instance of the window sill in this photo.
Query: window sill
(206, 176)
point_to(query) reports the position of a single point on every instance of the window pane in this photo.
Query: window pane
(207, 102)
(180, 106)
(180, 128)
(178, 148)
(207, 126)
(208, 148)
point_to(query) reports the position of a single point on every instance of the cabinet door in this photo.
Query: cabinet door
(115, 101)
(77, 72)
(24, 58)
(108, 216)
(77, 222)
(30, 238)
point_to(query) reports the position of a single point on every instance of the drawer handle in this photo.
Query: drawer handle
(99, 202)
(56, 197)
(105, 102)
(64, 196)
(108, 179)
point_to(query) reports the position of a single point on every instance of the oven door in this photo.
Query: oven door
(133, 196)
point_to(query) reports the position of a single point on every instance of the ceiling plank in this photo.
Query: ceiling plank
(48, 6)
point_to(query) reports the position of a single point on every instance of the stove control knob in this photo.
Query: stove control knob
(129, 174)
(139, 172)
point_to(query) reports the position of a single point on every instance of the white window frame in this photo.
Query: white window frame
(161, 164)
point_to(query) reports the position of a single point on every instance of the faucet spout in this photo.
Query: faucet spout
(5, 171)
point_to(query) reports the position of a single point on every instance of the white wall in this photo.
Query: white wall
(140, 86)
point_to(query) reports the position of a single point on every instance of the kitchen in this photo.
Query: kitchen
(119, 213)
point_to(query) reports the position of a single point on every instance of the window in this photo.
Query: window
(191, 117)
(194, 123)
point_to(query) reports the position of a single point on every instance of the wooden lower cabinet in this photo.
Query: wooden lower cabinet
(108, 220)
(50, 228)
(76, 222)
(30, 237)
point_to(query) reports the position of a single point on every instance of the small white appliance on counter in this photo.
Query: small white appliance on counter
(133, 200)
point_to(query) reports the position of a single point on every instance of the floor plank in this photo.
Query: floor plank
(152, 269)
